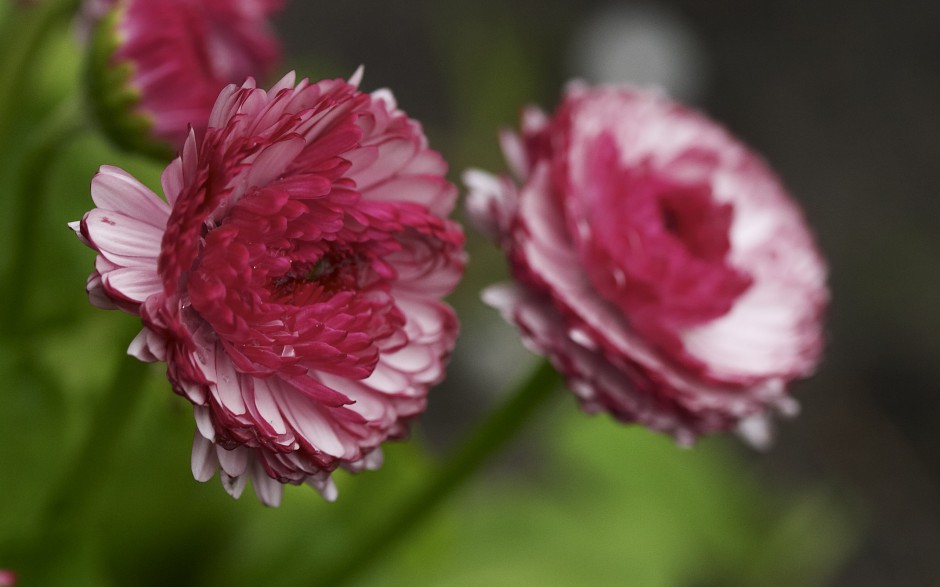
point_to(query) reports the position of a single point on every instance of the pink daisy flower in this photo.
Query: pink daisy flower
(179, 54)
(291, 280)
(658, 263)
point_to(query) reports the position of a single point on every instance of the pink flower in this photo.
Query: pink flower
(181, 54)
(7, 578)
(657, 262)
(291, 280)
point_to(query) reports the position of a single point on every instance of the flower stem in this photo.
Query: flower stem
(108, 422)
(25, 30)
(71, 511)
(29, 186)
(492, 435)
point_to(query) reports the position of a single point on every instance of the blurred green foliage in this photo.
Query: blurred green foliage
(581, 501)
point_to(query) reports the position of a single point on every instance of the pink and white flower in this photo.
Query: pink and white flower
(658, 263)
(181, 53)
(292, 279)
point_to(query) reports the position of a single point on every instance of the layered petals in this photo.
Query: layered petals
(291, 280)
(658, 263)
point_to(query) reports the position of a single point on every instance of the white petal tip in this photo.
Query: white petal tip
(373, 461)
(685, 439)
(233, 485)
(502, 296)
(356, 77)
(204, 460)
(756, 431)
(269, 491)
(327, 489)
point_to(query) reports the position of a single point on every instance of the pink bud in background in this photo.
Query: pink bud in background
(292, 279)
(158, 65)
(658, 263)
(7, 578)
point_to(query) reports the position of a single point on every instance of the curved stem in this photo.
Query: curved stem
(70, 514)
(108, 422)
(492, 435)
(26, 30)
(29, 187)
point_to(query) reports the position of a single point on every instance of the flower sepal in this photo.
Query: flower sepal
(112, 96)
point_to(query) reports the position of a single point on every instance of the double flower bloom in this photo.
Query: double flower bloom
(292, 275)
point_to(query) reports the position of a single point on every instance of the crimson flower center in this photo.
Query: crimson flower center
(334, 272)
(654, 247)
(701, 225)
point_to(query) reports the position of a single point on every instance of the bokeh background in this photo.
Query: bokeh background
(840, 97)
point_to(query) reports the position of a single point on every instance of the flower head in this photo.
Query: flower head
(291, 280)
(158, 65)
(657, 261)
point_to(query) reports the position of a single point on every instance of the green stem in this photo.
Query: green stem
(108, 422)
(29, 187)
(26, 30)
(72, 510)
(70, 516)
(492, 435)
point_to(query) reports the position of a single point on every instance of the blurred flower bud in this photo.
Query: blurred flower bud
(157, 66)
